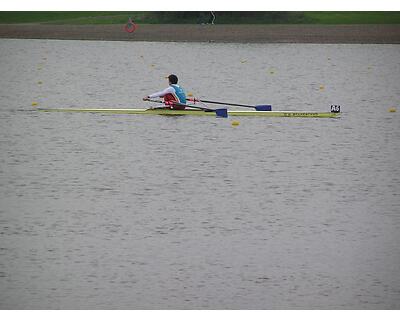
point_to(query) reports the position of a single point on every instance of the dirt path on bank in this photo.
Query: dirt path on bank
(210, 33)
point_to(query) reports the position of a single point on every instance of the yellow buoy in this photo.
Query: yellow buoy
(392, 109)
(190, 94)
(243, 61)
(34, 104)
(235, 123)
(40, 82)
(321, 87)
(152, 65)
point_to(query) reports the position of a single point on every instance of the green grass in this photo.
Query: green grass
(367, 17)
(118, 17)
(61, 17)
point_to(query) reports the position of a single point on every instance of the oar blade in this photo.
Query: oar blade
(221, 113)
(265, 107)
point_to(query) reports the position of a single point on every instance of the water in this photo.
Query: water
(133, 212)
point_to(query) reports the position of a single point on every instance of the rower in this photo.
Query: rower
(174, 93)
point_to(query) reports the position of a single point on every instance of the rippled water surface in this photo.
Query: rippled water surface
(136, 212)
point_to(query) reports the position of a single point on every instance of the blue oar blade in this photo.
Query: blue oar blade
(265, 107)
(221, 113)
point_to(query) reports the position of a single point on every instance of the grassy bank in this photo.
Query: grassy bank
(118, 17)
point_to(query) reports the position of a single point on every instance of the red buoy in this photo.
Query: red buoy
(130, 26)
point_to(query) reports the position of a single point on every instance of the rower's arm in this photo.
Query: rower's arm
(161, 93)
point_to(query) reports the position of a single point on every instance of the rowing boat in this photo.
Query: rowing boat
(192, 112)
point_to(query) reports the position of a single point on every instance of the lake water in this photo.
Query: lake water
(134, 212)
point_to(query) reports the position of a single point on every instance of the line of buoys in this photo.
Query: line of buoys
(34, 103)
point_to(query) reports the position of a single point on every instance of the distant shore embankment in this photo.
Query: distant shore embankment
(366, 33)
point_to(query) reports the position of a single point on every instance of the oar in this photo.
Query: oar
(223, 113)
(265, 107)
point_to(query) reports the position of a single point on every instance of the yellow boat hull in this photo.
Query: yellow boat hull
(166, 112)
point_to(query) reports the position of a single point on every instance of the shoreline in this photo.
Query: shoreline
(357, 34)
